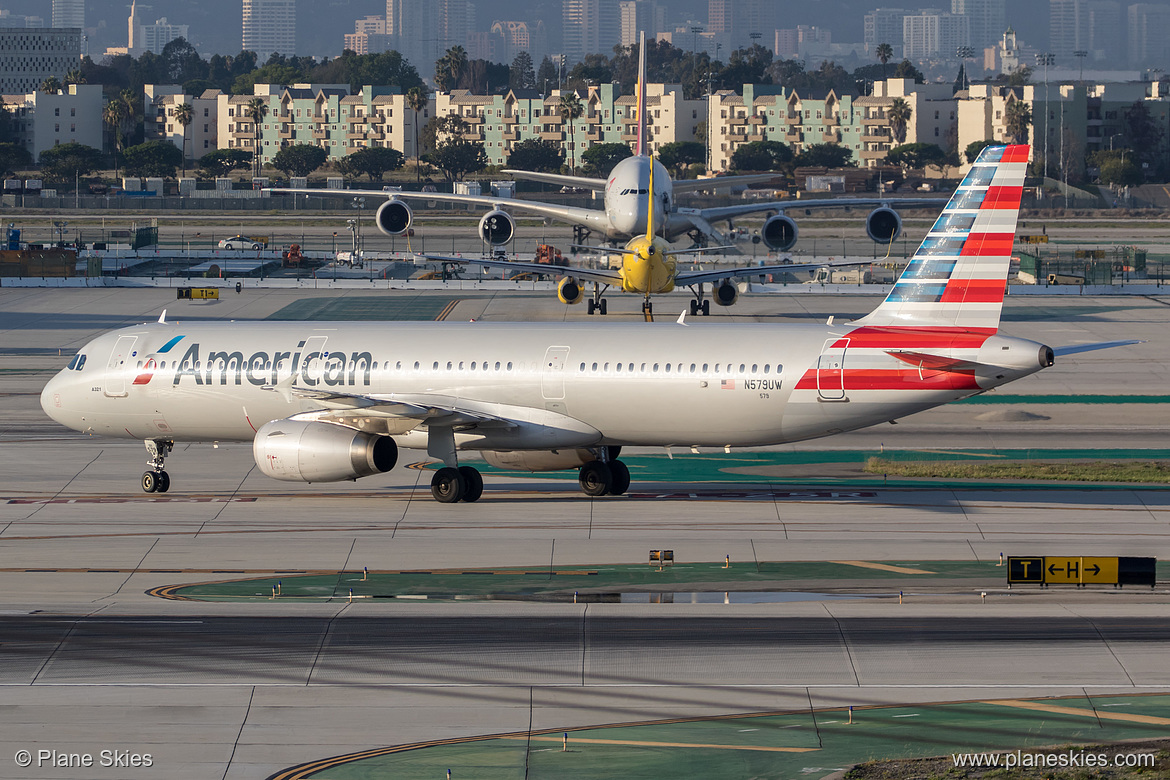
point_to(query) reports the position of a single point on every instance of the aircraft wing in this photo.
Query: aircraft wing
(594, 219)
(720, 182)
(409, 412)
(728, 212)
(584, 182)
(1076, 349)
(698, 277)
(599, 275)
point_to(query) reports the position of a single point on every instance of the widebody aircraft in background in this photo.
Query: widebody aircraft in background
(324, 401)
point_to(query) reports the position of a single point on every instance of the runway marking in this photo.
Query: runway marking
(134, 500)
(1042, 707)
(883, 567)
(450, 307)
(761, 748)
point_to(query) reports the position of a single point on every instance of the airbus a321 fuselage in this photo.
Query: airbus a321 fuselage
(335, 401)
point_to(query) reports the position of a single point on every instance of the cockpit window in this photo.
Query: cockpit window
(73, 363)
(81, 363)
(77, 363)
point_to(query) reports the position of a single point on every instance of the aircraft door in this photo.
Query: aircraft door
(114, 384)
(313, 361)
(552, 380)
(831, 371)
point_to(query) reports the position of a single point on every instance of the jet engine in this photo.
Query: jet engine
(883, 225)
(497, 227)
(779, 233)
(725, 293)
(570, 291)
(533, 460)
(303, 451)
(394, 217)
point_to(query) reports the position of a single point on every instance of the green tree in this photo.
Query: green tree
(221, 162)
(153, 158)
(299, 159)
(762, 156)
(570, 109)
(825, 156)
(51, 85)
(916, 156)
(13, 157)
(1017, 119)
(74, 76)
(66, 162)
(416, 101)
(458, 157)
(885, 53)
(536, 155)
(449, 68)
(906, 70)
(547, 72)
(1142, 133)
(975, 147)
(599, 159)
(682, 154)
(184, 116)
(1121, 172)
(114, 115)
(256, 110)
(373, 161)
(521, 75)
(899, 114)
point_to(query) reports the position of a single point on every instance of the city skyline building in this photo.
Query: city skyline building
(638, 16)
(884, 25)
(1091, 26)
(414, 27)
(29, 55)
(589, 27)
(934, 35)
(270, 28)
(1148, 35)
(69, 13)
(986, 20)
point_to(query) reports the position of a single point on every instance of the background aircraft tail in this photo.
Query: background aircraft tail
(958, 276)
(641, 148)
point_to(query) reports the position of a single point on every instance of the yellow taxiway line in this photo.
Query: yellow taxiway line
(883, 567)
(1056, 710)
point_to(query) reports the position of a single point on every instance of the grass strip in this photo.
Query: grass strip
(1092, 471)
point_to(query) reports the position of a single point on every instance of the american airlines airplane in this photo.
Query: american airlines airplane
(325, 401)
(633, 200)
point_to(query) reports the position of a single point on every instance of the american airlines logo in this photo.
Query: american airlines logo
(332, 369)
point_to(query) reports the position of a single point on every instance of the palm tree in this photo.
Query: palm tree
(184, 115)
(129, 99)
(571, 109)
(885, 53)
(899, 115)
(450, 67)
(74, 76)
(1017, 119)
(256, 111)
(416, 100)
(51, 85)
(114, 115)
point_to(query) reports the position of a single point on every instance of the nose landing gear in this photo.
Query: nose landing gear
(156, 480)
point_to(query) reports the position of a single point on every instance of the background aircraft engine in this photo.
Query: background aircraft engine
(394, 217)
(299, 451)
(779, 233)
(497, 227)
(569, 290)
(883, 225)
(529, 460)
(725, 293)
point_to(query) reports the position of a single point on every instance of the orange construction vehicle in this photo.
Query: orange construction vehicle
(546, 253)
(293, 256)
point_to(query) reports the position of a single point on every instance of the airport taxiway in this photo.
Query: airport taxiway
(90, 661)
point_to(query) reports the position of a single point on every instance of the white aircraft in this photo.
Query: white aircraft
(633, 200)
(325, 401)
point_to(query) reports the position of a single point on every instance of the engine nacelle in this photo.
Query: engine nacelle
(725, 293)
(497, 227)
(779, 233)
(883, 225)
(539, 460)
(570, 291)
(394, 217)
(302, 451)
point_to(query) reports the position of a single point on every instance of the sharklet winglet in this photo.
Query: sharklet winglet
(162, 318)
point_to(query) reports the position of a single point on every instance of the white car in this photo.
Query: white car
(240, 242)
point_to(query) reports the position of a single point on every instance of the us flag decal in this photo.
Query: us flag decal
(727, 384)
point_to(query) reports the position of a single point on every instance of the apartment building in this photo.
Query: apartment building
(325, 115)
(160, 103)
(29, 55)
(42, 121)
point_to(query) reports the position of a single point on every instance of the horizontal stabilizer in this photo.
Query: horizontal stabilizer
(1076, 348)
(581, 182)
(936, 362)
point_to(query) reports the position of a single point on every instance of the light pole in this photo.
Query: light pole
(1080, 54)
(1045, 59)
(359, 204)
(965, 53)
(60, 226)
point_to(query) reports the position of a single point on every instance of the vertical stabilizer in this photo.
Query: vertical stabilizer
(958, 276)
(641, 108)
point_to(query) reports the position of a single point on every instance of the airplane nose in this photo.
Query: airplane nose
(52, 400)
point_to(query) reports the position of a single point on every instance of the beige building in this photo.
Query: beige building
(933, 117)
(42, 121)
(160, 102)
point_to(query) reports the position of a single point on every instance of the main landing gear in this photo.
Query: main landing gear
(597, 304)
(609, 477)
(156, 480)
(700, 305)
(452, 483)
